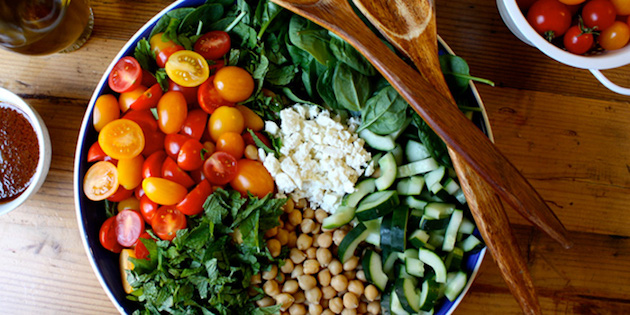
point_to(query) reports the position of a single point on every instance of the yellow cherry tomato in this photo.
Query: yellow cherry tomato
(234, 84)
(127, 98)
(130, 172)
(126, 264)
(172, 112)
(163, 191)
(187, 68)
(131, 203)
(106, 109)
(225, 119)
(121, 139)
(252, 120)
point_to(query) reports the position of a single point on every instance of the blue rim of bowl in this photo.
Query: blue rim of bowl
(90, 214)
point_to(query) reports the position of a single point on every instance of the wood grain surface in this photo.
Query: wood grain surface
(565, 132)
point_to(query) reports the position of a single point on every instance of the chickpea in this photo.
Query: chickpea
(350, 274)
(336, 305)
(271, 288)
(356, 287)
(307, 282)
(289, 206)
(349, 311)
(271, 232)
(307, 225)
(311, 253)
(327, 312)
(280, 278)
(288, 266)
(328, 292)
(297, 309)
(324, 256)
(297, 271)
(315, 243)
(274, 247)
(297, 256)
(299, 297)
(351, 263)
(320, 215)
(282, 236)
(338, 236)
(315, 309)
(285, 300)
(271, 273)
(290, 286)
(324, 240)
(251, 152)
(374, 307)
(324, 277)
(335, 267)
(317, 228)
(313, 295)
(304, 241)
(324, 303)
(361, 275)
(256, 279)
(370, 292)
(295, 217)
(362, 309)
(301, 204)
(311, 266)
(350, 300)
(308, 213)
(266, 301)
(289, 227)
(292, 239)
(339, 283)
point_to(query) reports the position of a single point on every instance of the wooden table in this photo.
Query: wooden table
(569, 136)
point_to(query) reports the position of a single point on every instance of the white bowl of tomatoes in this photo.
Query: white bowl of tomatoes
(586, 34)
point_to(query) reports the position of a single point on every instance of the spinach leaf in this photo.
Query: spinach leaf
(266, 12)
(325, 87)
(435, 145)
(457, 73)
(144, 55)
(351, 88)
(384, 112)
(308, 36)
(280, 75)
(199, 21)
(345, 53)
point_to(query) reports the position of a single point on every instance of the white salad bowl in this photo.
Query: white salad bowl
(91, 215)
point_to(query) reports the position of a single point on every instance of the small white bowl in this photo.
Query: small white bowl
(518, 25)
(45, 149)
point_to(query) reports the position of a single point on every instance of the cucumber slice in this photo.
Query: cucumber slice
(432, 259)
(378, 142)
(386, 236)
(436, 239)
(396, 307)
(415, 203)
(414, 267)
(400, 219)
(388, 167)
(470, 243)
(373, 267)
(410, 186)
(438, 210)
(350, 242)
(429, 294)
(453, 260)
(376, 205)
(435, 176)
(386, 302)
(455, 285)
(451, 186)
(398, 153)
(342, 216)
(467, 226)
(416, 151)
(374, 231)
(418, 238)
(417, 167)
(430, 224)
(390, 261)
(450, 236)
(407, 294)
(362, 189)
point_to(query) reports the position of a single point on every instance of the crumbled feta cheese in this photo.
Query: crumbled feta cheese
(320, 158)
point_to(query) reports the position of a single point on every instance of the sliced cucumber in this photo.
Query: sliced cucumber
(388, 167)
(407, 294)
(435, 176)
(450, 236)
(415, 203)
(396, 307)
(416, 151)
(453, 260)
(432, 259)
(342, 216)
(386, 236)
(418, 238)
(438, 210)
(430, 224)
(378, 142)
(376, 205)
(362, 189)
(398, 153)
(410, 186)
(400, 219)
(373, 267)
(455, 285)
(414, 267)
(374, 231)
(390, 261)
(429, 294)
(350, 242)
(386, 302)
(470, 243)
(451, 186)
(417, 167)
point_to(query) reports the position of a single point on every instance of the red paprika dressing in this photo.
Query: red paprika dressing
(19, 152)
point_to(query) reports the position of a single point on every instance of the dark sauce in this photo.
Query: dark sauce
(19, 152)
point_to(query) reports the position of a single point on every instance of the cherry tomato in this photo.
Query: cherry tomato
(152, 166)
(577, 42)
(172, 172)
(225, 119)
(154, 141)
(107, 236)
(162, 57)
(220, 168)
(172, 111)
(167, 221)
(141, 251)
(193, 203)
(131, 203)
(614, 37)
(148, 99)
(144, 118)
(189, 157)
(252, 176)
(147, 208)
(163, 49)
(252, 120)
(213, 45)
(247, 137)
(120, 194)
(148, 79)
(126, 99)
(234, 84)
(599, 14)
(187, 68)
(95, 154)
(138, 192)
(195, 124)
(129, 226)
(100, 181)
(121, 139)
(197, 175)
(126, 75)
(163, 191)
(549, 18)
(190, 93)
(232, 143)
(209, 98)
(571, 2)
(173, 143)
(106, 109)
(215, 65)
(125, 264)
(130, 172)
(525, 4)
(621, 6)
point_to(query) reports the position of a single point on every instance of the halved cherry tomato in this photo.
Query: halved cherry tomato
(209, 98)
(234, 84)
(131, 203)
(154, 141)
(120, 194)
(549, 18)
(187, 68)
(193, 203)
(225, 119)
(253, 177)
(100, 181)
(249, 139)
(190, 93)
(141, 251)
(599, 14)
(189, 157)
(232, 143)
(252, 120)
(130, 172)
(614, 37)
(167, 221)
(107, 236)
(152, 166)
(147, 208)
(173, 143)
(172, 172)
(129, 226)
(148, 99)
(213, 45)
(576, 41)
(162, 57)
(121, 139)
(144, 118)
(163, 191)
(172, 111)
(126, 99)
(195, 124)
(126, 75)
(106, 109)
(220, 168)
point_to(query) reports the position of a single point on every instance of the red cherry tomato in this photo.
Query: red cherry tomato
(209, 98)
(173, 143)
(549, 18)
(213, 45)
(525, 4)
(195, 124)
(154, 142)
(215, 65)
(599, 14)
(197, 175)
(120, 194)
(148, 99)
(190, 93)
(126, 75)
(189, 157)
(247, 137)
(144, 118)
(138, 192)
(147, 208)
(140, 250)
(232, 143)
(577, 42)
(167, 221)
(193, 203)
(253, 177)
(220, 168)
(174, 173)
(95, 153)
(152, 166)
(148, 79)
(107, 236)
(129, 226)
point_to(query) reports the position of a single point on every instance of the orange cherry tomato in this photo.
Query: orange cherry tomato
(130, 172)
(163, 191)
(621, 6)
(100, 181)
(252, 120)
(225, 119)
(172, 111)
(125, 264)
(167, 221)
(126, 99)
(121, 139)
(234, 84)
(253, 177)
(106, 109)
(187, 68)
(571, 2)
(615, 36)
(232, 143)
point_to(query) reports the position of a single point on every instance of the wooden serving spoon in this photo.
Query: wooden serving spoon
(410, 25)
(457, 131)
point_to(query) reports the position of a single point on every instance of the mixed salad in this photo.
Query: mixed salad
(199, 142)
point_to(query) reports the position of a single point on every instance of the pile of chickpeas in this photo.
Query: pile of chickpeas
(312, 280)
